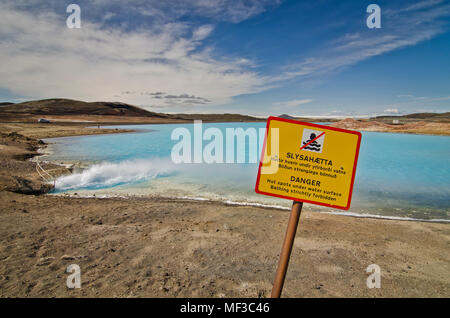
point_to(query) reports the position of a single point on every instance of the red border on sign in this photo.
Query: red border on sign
(315, 126)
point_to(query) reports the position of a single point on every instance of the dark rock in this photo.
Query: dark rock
(25, 186)
(67, 258)
(45, 261)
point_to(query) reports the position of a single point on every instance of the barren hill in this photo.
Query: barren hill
(67, 110)
(74, 107)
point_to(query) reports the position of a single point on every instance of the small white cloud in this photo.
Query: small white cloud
(391, 111)
(202, 32)
(108, 16)
(422, 5)
(292, 103)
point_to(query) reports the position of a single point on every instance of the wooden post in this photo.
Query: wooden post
(286, 249)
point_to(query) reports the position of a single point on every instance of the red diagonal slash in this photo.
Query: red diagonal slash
(312, 140)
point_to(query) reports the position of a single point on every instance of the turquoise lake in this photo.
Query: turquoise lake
(398, 175)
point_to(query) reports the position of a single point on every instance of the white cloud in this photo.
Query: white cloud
(202, 32)
(233, 11)
(400, 28)
(409, 103)
(43, 58)
(292, 103)
(391, 111)
(422, 99)
(422, 5)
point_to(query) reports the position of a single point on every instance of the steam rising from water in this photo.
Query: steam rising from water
(108, 174)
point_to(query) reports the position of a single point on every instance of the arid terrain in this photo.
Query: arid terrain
(66, 113)
(154, 247)
(161, 248)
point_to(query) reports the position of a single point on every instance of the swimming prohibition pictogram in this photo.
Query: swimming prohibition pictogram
(312, 143)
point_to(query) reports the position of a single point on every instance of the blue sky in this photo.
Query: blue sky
(254, 57)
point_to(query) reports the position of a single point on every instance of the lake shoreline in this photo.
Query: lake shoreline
(156, 247)
(63, 167)
(363, 204)
(79, 194)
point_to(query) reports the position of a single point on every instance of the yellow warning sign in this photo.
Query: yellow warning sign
(308, 162)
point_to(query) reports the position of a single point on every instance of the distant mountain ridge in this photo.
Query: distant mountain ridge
(68, 108)
(420, 116)
(286, 116)
(59, 106)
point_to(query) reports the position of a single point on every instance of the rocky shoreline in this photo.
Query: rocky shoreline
(156, 247)
(18, 173)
